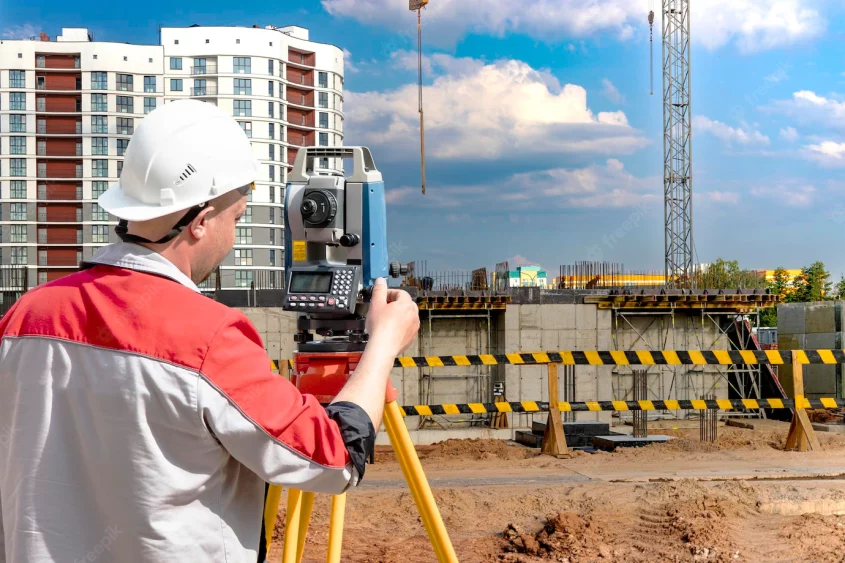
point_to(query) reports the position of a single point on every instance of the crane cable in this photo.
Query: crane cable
(420, 87)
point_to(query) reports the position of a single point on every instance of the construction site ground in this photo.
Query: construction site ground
(739, 499)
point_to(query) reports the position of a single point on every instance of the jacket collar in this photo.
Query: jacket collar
(136, 257)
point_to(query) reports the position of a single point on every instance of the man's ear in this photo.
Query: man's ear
(199, 226)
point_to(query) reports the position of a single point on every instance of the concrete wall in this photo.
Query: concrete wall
(811, 326)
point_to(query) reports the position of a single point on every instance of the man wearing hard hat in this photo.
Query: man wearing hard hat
(139, 420)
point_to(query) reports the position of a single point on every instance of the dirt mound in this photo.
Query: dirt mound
(566, 536)
(819, 538)
(476, 449)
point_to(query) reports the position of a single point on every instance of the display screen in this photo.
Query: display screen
(310, 282)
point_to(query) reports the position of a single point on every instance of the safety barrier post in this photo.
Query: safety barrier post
(801, 431)
(554, 440)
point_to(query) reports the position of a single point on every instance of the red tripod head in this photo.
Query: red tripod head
(323, 374)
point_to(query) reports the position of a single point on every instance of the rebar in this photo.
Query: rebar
(708, 421)
(640, 394)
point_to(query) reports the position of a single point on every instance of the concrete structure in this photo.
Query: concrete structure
(528, 276)
(68, 109)
(812, 326)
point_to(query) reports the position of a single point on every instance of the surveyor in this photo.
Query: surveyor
(139, 419)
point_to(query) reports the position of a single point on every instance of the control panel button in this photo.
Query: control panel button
(331, 301)
(321, 304)
(311, 304)
(312, 298)
(293, 297)
(322, 298)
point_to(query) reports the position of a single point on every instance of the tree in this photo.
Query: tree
(813, 284)
(839, 288)
(780, 284)
(726, 274)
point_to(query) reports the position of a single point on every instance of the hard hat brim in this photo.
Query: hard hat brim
(115, 201)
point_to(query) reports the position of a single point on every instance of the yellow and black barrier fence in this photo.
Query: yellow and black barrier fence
(626, 358)
(621, 406)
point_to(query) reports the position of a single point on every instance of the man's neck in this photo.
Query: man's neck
(178, 259)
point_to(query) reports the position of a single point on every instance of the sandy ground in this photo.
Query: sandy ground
(740, 499)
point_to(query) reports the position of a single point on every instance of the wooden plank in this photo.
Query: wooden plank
(554, 440)
(801, 432)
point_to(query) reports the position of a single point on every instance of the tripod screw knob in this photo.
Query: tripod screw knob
(395, 269)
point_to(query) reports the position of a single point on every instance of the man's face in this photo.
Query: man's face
(220, 236)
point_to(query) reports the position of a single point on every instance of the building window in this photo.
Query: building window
(247, 216)
(149, 84)
(200, 87)
(99, 146)
(149, 104)
(175, 63)
(272, 173)
(243, 278)
(17, 123)
(122, 144)
(243, 235)
(324, 163)
(99, 124)
(100, 234)
(270, 88)
(200, 66)
(98, 213)
(18, 167)
(272, 216)
(17, 101)
(119, 167)
(324, 99)
(271, 130)
(242, 65)
(272, 194)
(243, 86)
(176, 84)
(324, 139)
(272, 152)
(272, 236)
(17, 79)
(99, 81)
(99, 168)
(125, 126)
(271, 107)
(272, 257)
(98, 188)
(125, 104)
(18, 189)
(243, 257)
(124, 82)
(270, 65)
(247, 127)
(324, 120)
(99, 102)
(243, 107)
(18, 233)
(18, 212)
(323, 79)
(17, 145)
(18, 255)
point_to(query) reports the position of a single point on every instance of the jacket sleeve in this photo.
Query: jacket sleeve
(264, 422)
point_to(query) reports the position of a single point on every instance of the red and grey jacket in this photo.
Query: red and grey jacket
(139, 421)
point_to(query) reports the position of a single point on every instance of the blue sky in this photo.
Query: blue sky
(542, 139)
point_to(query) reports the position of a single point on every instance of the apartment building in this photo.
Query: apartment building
(69, 106)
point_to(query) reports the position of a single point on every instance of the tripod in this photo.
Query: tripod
(322, 374)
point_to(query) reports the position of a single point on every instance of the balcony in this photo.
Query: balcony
(42, 151)
(59, 216)
(209, 90)
(42, 173)
(59, 193)
(57, 63)
(40, 85)
(301, 79)
(59, 238)
(42, 107)
(204, 69)
(57, 261)
(60, 128)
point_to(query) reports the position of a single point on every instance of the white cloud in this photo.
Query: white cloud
(793, 193)
(24, 31)
(727, 134)
(611, 92)
(827, 153)
(808, 107)
(753, 25)
(778, 76)
(789, 134)
(596, 186)
(348, 66)
(722, 197)
(478, 111)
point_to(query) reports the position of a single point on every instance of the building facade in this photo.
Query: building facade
(68, 108)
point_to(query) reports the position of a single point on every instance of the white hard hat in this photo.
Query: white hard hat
(183, 154)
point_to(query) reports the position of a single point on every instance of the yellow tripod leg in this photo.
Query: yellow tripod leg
(411, 468)
(336, 528)
(292, 519)
(304, 519)
(415, 493)
(271, 510)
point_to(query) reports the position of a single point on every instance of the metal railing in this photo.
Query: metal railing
(43, 86)
(42, 63)
(59, 216)
(204, 69)
(55, 194)
(53, 261)
(45, 238)
(209, 90)
(44, 174)
(42, 151)
(59, 129)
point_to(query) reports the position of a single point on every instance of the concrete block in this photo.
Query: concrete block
(512, 317)
(819, 317)
(585, 339)
(558, 317)
(604, 319)
(549, 340)
(791, 318)
(530, 340)
(585, 383)
(791, 341)
(531, 382)
(511, 341)
(529, 316)
(604, 383)
(820, 380)
(820, 341)
(567, 339)
(258, 317)
(274, 350)
(585, 317)
(605, 339)
(513, 378)
(274, 322)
